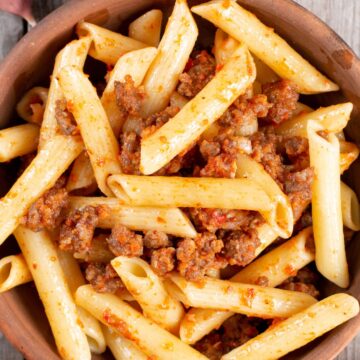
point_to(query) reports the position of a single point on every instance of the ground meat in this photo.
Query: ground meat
(65, 118)
(305, 281)
(198, 72)
(221, 166)
(235, 331)
(154, 239)
(103, 278)
(77, 231)
(197, 256)
(211, 346)
(209, 149)
(239, 246)
(128, 97)
(265, 152)
(298, 188)
(283, 97)
(215, 219)
(297, 150)
(163, 260)
(130, 153)
(47, 211)
(242, 115)
(124, 242)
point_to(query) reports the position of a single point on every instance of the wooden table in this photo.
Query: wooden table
(342, 15)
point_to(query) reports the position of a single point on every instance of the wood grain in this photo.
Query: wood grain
(341, 15)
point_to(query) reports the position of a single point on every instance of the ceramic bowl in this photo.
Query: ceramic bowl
(22, 318)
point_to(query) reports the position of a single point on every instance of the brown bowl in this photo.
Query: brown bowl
(22, 318)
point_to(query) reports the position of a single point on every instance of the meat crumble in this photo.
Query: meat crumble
(47, 211)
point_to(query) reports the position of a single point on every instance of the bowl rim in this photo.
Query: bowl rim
(8, 67)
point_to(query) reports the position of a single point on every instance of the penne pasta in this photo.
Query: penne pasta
(301, 109)
(82, 175)
(32, 105)
(165, 191)
(326, 210)
(350, 208)
(273, 268)
(149, 291)
(267, 236)
(299, 329)
(147, 27)
(224, 47)
(73, 54)
(121, 347)
(107, 46)
(169, 220)
(174, 50)
(333, 118)
(41, 256)
(263, 73)
(199, 113)
(18, 141)
(13, 272)
(265, 44)
(250, 300)
(48, 165)
(94, 125)
(90, 325)
(349, 152)
(135, 63)
(250, 169)
(129, 323)
(178, 100)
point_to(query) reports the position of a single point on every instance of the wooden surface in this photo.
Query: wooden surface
(342, 15)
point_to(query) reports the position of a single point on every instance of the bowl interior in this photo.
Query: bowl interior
(22, 318)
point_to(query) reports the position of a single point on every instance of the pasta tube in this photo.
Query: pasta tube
(349, 152)
(265, 44)
(149, 291)
(174, 50)
(166, 191)
(326, 207)
(73, 54)
(13, 272)
(169, 220)
(332, 118)
(48, 165)
(81, 175)
(250, 300)
(107, 46)
(121, 347)
(90, 325)
(17, 141)
(147, 27)
(136, 64)
(274, 268)
(95, 129)
(129, 323)
(32, 104)
(225, 45)
(283, 215)
(299, 329)
(42, 259)
(350, 208)
(199, 113)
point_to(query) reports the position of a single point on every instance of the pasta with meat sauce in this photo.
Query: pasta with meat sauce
(214, 208)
